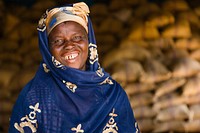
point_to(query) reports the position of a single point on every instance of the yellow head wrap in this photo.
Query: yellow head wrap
(77, 13)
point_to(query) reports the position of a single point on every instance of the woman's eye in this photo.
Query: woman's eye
(57, 42)
(77, 38)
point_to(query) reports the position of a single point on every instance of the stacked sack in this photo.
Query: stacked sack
(158, 65)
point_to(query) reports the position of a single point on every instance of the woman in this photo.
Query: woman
(70, 92)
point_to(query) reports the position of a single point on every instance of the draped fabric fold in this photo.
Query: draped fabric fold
(60, 99)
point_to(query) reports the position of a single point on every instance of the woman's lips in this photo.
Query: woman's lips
(71, 56)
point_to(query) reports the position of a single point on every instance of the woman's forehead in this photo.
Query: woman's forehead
(68, 27)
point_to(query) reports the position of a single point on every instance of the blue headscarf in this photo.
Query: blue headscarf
(60, 99)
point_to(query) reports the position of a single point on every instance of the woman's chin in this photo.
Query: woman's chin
(76, 66)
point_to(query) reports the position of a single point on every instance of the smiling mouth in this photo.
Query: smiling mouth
(71, 56)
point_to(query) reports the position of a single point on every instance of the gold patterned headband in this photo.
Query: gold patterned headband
(77, 13)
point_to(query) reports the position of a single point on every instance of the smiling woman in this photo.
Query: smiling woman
(69, 44)
(70, 91)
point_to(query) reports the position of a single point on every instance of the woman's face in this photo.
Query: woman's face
(68, 43)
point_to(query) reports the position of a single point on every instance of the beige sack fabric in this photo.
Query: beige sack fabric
(179, 112)
(155, 71)
(168, 87)
(123, 71)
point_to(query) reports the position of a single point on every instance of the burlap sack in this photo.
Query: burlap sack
(27, 30)
(6, 106)
(160, 19)
(195, 54)
(6, 76)
(169, 126)
(194, 99)
(189, 15)
(173, 57)
(111, 25)
(21, 78)
(12, 66)
(168, 86)
(123, 14)
(137, 87)
(5, 93)
(157, 54)
(133, 52)
(192, 87)
(168, 101)
(32, 59)
(173, 54)
(190, 44)
(25, 76)
(178, 30)
(4, 121)
(179, 112)
(10, 57)
(177, 5)
(192, 126)
(96, 8)
(116, 4)
(11, 21)
(185, 67)
(197, 10)
(129, 43)
(14, 35)
(14, 96)
(142, 31)
(8, 45)
(36, 56)
(145, 9)
(146, 125)
(161, 43)
(155, 71)
(127, 71)
(109, 40)
(143, 112)
(28, 45)
(141, 99)
(194, 112)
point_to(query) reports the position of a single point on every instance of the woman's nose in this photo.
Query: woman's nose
(69, 45)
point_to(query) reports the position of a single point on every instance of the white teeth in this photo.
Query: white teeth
(70, 57)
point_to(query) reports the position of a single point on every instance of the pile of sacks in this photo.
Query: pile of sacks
(158, 64)
(151, 48)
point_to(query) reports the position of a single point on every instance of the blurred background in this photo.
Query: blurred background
(151, 48)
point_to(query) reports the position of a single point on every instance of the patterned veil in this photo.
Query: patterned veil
(60, 99)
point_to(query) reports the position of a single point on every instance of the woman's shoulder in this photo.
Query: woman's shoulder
(35, 87)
